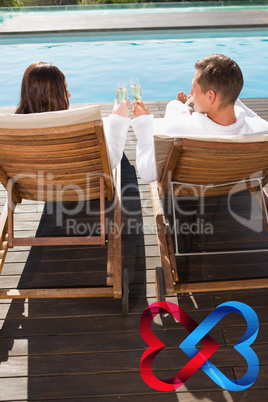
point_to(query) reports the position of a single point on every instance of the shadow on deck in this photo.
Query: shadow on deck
(84, 349)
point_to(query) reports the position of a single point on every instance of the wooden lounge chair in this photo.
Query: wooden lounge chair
(194, 168)
(61, 156)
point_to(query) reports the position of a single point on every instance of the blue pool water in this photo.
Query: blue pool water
(165, 64)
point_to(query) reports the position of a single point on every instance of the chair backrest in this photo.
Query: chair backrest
(56, 156)
(208, 163)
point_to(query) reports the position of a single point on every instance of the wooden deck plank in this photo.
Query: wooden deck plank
(215, 396)
(103, 362)
(84, 349)
(86, 385)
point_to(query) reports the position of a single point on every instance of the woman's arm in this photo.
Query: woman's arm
(116, 134)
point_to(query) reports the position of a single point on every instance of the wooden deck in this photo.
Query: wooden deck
(72, 350)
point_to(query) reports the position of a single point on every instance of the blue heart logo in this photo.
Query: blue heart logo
(242, 346)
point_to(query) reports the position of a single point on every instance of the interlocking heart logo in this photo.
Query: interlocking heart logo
(199, 333)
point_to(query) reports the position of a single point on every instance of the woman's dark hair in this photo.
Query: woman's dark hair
(43, 89)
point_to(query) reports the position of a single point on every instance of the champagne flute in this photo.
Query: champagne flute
(135, 89)
(121, 93)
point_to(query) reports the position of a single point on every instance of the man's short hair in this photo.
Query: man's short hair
(222, 75)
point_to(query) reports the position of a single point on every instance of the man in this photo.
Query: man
(216, 86)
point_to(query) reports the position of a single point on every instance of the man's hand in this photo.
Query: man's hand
(122, 109)
(182, 97)
(139, 109)
(187, 100)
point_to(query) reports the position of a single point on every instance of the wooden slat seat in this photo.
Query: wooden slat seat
(60, 162)
(201, 169)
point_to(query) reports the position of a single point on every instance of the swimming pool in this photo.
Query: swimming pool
(164, 64)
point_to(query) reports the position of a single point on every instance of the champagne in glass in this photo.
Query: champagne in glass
(135, 89)
(121, 92)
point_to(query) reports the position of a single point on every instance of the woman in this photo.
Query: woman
(44, 89)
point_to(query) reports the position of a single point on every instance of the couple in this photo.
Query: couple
(216, 86)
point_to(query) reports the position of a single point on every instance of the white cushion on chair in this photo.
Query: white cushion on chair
(50, 119)
(254, 137)
(162, 142)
